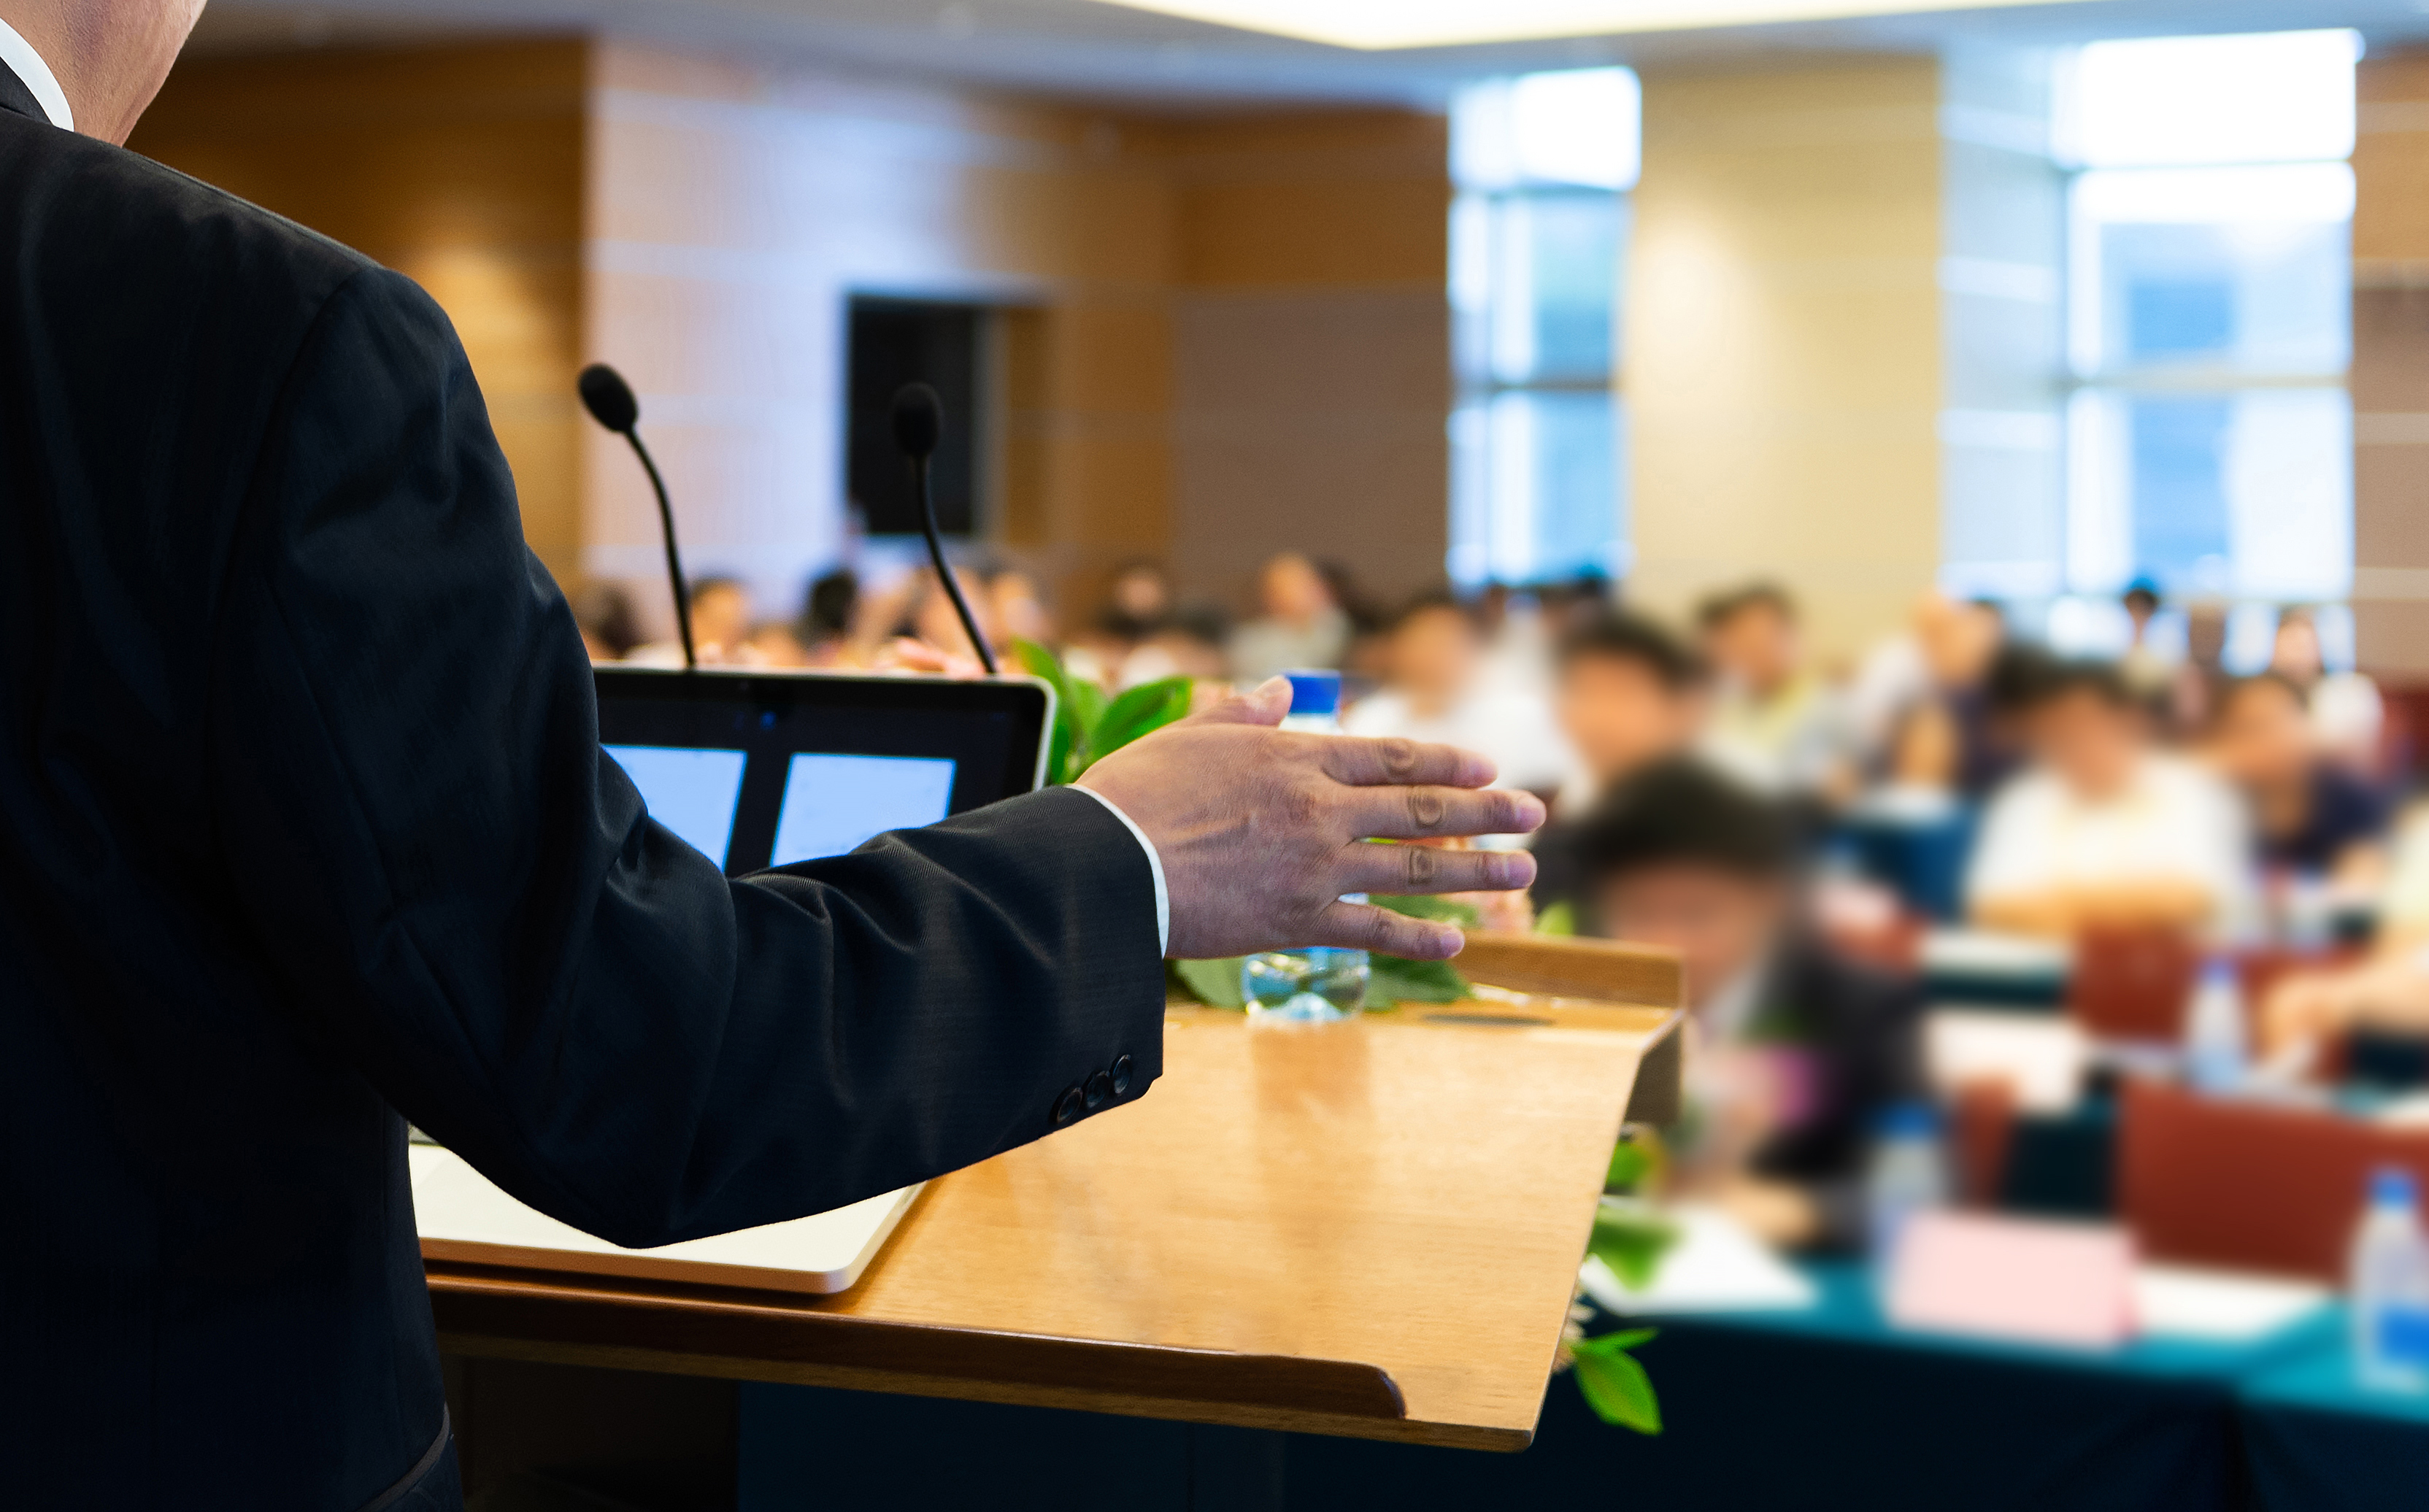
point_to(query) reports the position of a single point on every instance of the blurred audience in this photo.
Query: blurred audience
(2103, 829)
(2312, 818)
(1432, 691)
(1627, 693)
(1297, 624)
(1793, 1051)
(2346, 710)
(2147, 667)
(1773, 721)
(610, 629)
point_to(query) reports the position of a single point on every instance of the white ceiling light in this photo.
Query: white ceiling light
(1387, 24)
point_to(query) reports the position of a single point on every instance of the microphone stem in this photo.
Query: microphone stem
(674, 563)
(944, 574)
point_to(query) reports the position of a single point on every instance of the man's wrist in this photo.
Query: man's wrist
(1154, 866)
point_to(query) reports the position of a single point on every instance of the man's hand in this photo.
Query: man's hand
(1261, 830)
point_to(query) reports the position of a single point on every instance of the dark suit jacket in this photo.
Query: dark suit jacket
(305, 826)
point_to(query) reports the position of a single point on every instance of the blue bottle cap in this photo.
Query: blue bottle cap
(2392, 1186)
(1315, 691)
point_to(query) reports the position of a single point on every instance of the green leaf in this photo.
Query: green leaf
(1617, 1387)
(1630, 1240)
(1087, 711)
(1419, 906)
(1393, 979)
(1630, 1163)
(1141, 710)
(1215, 984)
(1065, 739)
(1560, 919)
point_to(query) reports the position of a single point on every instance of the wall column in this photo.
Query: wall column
(2391, 365)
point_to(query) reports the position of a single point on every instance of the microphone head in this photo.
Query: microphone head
(609, 398)
(918, 420)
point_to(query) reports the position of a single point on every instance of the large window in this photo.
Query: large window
(2209, 436)
(1542, 163)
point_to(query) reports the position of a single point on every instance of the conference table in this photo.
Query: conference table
(1369, 1229)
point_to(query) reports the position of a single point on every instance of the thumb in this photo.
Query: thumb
(1264, 704)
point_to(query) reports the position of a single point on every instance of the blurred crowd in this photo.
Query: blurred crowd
(1791, 828)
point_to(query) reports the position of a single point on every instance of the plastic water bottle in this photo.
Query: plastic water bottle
(1908, 1177)
(2215, 1051)
(1318, 984)
(2390, 1287)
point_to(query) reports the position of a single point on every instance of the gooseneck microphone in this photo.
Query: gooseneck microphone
(919, 423)
(609, 399)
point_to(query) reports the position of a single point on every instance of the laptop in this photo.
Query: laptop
(753, 771)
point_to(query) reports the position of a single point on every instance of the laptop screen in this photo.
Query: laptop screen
(764, 769)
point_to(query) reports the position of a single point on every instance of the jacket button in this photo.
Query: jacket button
(1066, 1107)
(1122, 1069)
(1101, 1088)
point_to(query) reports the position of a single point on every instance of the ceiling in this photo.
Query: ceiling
(1087, 49)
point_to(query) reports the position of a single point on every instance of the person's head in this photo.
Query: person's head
(2206, 633)
(1140, 599)
(1750, 634)
(1433, 650)
(720, 613)
(1959, 639)
(934, 620)
(2264, 732)
(2087, 729)
(609, 626)
(826, 613)
(1927, 749)
(2141, 603)
(1020, 607)
(1291, 590)
(2297, 656)
(1630, 694)
(110, 57)
(1680, 856)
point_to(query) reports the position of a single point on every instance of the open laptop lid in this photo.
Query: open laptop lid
(761, 768)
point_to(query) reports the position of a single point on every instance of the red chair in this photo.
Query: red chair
(2249, 1185)
(2132, 982)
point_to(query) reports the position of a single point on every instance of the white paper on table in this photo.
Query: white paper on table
(2227, 1306)
(1987, 953)
(2040, 1056)
(1717, 1265)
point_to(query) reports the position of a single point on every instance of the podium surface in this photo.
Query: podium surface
(1369, 1229)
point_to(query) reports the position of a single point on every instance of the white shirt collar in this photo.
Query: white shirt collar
(17, 54)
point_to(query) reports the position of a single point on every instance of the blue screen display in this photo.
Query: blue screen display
(694, 793)
(831, 804)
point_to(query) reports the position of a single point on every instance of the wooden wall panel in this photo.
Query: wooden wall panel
(460, 166)
(2391, 364)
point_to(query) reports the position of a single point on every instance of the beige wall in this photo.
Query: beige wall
(458, 166)
(2391, 365)
(1782, 360)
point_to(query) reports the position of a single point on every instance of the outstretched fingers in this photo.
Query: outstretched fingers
(1426, 869)
(1364, 926)
(1363, 763)
(1434, 812)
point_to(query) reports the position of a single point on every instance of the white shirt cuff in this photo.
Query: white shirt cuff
(1154, 866)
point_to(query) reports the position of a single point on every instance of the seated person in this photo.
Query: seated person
(2312, 817)
(1434, 691)
(2346, 710)
(1300, 625)
(1792, 1051)
(1773, 723)
(2101, 830)
(1626, 694)
(2389, 991)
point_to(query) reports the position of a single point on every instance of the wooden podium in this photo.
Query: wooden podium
(1369, 1229)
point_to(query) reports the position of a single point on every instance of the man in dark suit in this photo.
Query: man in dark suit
(304, 827)
(1793, 1051)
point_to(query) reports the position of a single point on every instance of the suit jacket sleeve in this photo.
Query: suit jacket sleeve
(468, 905)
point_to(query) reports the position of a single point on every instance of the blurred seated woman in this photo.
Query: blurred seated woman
(2311, 817)
(1435, 690)
(1792, 1050)
(2103, 831)
(2390, 991)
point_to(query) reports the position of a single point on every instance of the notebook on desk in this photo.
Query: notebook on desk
(465, 1217)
